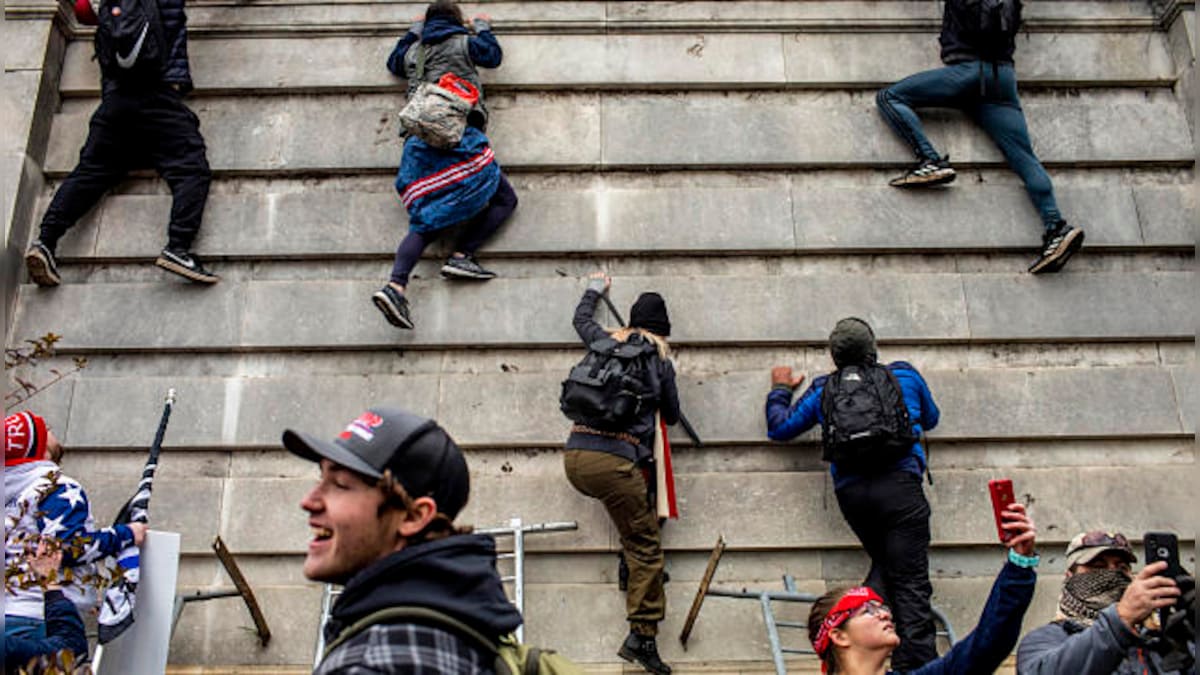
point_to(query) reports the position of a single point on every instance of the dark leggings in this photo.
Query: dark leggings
(473, 234)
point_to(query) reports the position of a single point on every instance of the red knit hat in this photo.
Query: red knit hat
(25, 438)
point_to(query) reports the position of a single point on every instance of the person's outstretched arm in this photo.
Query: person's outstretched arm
(784, 420)
(983, 650)
(395, 62)
(483, 48)
(64, 516)
(585, 323)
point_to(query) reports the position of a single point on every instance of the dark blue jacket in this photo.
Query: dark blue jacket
(175, 26)
(661, 374)
(993, 639)
(483, 48)
(786, 421)
(64, 630)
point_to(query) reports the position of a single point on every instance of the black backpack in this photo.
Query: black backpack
(610, 387)
(866, 428)
(997, 26)
(131, 45)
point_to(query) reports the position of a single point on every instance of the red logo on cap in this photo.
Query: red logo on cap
(363, 427)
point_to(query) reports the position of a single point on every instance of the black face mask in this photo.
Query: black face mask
(1086, 593)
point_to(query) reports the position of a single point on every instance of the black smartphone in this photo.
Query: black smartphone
(1163, 546)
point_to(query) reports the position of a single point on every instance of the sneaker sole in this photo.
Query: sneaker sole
(41, 272)
(1055, 261)
(940, 178)
(390, 312)
(455, 273)
(191, 275)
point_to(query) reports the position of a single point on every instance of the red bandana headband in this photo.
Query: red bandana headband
(851, 600)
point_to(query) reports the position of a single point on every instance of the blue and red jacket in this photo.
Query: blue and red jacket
(786, 420)
(444, 187)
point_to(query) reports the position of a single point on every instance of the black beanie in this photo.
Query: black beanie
(650, 312)
(852, 343)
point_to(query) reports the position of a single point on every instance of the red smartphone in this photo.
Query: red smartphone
(1002, 497)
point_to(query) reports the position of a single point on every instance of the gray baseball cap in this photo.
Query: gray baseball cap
(421, 455)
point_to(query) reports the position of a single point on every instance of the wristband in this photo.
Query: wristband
(1028, 562)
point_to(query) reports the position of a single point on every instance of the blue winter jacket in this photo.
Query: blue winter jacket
(786, 421)
(999, 626)
(483, 47)
(440, 187)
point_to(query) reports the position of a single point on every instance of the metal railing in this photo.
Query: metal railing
(515, 529)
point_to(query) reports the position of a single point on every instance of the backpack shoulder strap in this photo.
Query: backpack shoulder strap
(422, 56)
(422, 614)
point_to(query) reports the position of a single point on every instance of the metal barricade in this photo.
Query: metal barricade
(515, 529)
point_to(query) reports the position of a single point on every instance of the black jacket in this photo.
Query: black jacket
(959, 39)
(176, 70)
(456, 576)
(662, 381)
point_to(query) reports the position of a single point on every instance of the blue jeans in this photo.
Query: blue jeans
(24, 628)
(988, 94)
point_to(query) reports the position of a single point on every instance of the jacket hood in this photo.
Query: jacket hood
(439, 28)
(456, 576)
(852, 342)
(19, 478)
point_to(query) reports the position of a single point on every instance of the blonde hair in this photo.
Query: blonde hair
(622, 335)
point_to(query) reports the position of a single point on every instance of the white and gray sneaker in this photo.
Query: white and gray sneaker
(41, 265)
(466, 267)
(186, 265)
(927, 172)
(1058, 245)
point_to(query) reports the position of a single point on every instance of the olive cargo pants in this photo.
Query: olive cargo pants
(619, 485)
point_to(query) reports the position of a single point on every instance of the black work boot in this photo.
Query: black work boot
(643, 650)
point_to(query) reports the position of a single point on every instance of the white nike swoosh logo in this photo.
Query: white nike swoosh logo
(127, 61)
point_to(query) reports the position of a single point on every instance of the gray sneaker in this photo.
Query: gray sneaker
(41, 265)
(466, 267)
(394, 307)
(186, 265)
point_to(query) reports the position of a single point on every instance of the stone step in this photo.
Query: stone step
(391, 18)
(716, 308)
(278, 135)
(807, 514)
(842, 59)
(558, 612)
(596, 214)
(487, 407)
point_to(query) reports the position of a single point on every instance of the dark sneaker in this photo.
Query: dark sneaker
(186, 265)
(394, 307)
(41, 265)
(466, 267)
(643, 650)
(1058, 245)
(928, 172)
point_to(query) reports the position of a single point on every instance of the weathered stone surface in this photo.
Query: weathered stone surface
(709, 505)
(937, 307)
(1070, 310)
(651, 60)
(810, 129)
(684, 212)
(521, 410)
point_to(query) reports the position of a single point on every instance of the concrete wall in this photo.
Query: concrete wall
(727, 154)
